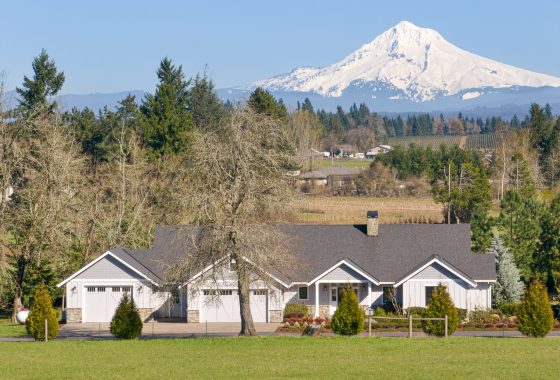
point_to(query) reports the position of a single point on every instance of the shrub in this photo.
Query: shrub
(42, 310)
(296, 310)
(349, 317)
(534, 314)
(508, 308)
(441, 305)
(379, 312)
(416, 311)
(126, 323)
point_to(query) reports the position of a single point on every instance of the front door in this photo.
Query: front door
(336, 296)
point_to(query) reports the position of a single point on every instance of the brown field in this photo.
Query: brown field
(350, 210)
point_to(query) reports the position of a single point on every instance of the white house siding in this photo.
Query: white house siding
(195, 308)
(343, 274)
(110, 272)
(463, 295)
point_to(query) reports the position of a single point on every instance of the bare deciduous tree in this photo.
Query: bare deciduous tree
(238, 178)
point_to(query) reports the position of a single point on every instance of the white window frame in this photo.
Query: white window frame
(306, 293)
(428, 286)
(383, 301)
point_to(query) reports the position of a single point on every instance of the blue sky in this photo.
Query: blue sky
(107, 46)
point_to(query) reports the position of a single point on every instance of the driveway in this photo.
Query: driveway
(162, 330)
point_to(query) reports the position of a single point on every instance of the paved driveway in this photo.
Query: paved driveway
(163, 330)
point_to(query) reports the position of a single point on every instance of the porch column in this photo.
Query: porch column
(369, 294)
(316, 299)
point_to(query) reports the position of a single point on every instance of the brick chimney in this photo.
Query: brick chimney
(372, 223)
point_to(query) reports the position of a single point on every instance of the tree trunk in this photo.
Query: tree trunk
(247, 325)
(20, 276)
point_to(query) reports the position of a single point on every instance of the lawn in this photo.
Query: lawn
(343, 162)
(9, 329)
(285, 357)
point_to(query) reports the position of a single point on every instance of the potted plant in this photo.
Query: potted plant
(21, 315)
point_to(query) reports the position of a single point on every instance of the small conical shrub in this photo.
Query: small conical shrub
(41, 310)
(440, 305)
(534, 313)
(126, 323)
(349, 317)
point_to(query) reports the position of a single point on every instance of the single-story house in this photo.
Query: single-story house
(373, 152)
(406, 260)
(334, 176)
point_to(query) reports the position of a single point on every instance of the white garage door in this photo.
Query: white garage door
(100, 302)
(223, 305)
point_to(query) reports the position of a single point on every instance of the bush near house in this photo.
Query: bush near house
(534, 313)
(41, 310)
(349, 317)
(508, 309)
(296, 310)
(440, 305)
(126, 323)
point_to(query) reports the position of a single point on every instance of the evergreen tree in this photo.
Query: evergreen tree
(46, 82)
(126, 323)
(481, 231)
(508, 286)
(534, 313)
(439, 306)
(263, 102)
(307, 106)
(41, 310)
(520, 222)
(547, 257)
(206, 107)
(167, 123)
(348, 318)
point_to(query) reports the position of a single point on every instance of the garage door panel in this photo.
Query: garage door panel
(100, 302)
(223, 306)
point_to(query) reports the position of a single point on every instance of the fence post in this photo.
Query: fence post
(409, 324)
(46, 331)
(446, 324)
(369, 321)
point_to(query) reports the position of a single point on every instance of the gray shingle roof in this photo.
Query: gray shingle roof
(397, 251)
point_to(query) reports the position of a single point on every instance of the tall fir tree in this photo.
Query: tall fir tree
(508, 286)
(263, 102)
(167, 123)
(45, 83)
(208, 111)
(547, 257)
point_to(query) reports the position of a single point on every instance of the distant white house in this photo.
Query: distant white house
(6, 194)
(378, 150)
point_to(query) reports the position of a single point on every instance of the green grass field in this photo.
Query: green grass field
(343, 162)
(284, 357)
(9, 329)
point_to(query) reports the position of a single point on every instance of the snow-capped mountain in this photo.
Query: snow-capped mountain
(409, 64)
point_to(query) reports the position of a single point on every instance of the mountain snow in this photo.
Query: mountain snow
(416, 62)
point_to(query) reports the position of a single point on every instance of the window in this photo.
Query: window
(100, 289)
(302, 293)
(334, 294)
(387, 294)
(127, 289)
(429, 290)
(221, 292)
(175, 296)
(116, 289)
(90, 289)
(259, 292)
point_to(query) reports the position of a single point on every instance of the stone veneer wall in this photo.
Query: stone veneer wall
(324, 310)
(275, 316)
(146, 314)
(73, 315)
(193, 316)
